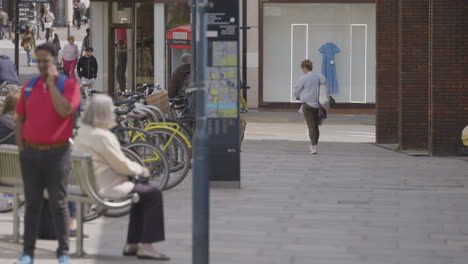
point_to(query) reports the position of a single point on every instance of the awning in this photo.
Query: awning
(180, 37)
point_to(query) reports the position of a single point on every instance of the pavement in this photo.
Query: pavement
(353, 203)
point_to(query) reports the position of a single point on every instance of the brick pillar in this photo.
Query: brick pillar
(414, 76)
(449, 89)
(387, 100)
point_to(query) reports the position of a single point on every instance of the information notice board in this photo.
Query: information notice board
(223, 91)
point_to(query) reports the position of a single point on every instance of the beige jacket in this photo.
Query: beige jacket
(111, 166)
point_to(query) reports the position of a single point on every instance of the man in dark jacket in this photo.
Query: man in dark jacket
(88, 68)
(180, 78)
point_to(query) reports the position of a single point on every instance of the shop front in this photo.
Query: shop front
(129, 40)
(339, 38)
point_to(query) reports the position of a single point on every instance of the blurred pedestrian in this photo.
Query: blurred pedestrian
(87, 68)
(112, 169)
(42, 12)
(3, 23)
(180, 78)
(44, 124)
(48, 20)
(83, 11)
(70, 57)
(53, 38)
(8, 74)
(77, 15)
(28, 42)
(8, 119)
(86, 41)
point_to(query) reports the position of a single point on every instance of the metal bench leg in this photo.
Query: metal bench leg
(79, 230)
(16, 219)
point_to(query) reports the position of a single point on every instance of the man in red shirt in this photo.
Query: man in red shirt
(43, 127)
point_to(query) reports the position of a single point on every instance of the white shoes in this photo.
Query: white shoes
(313, 149)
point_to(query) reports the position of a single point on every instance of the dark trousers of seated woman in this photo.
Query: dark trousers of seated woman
(312, 118)
(146, 217)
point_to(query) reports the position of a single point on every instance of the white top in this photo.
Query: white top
(70, 52)
(111, 166)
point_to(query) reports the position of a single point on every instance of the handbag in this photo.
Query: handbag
(324, 99)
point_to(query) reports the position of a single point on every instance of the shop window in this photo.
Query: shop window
(144, 44)
(338, 38)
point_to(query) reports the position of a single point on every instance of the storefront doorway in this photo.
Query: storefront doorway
(121, 60)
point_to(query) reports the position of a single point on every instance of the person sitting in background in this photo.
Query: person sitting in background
(180, 79)
(8, 72)
(8, 119)
(112, 169)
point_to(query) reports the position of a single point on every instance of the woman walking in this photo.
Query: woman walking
(307, 92)
(28, 42)
(70, 57)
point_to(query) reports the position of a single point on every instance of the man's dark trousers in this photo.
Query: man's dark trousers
(48, 169)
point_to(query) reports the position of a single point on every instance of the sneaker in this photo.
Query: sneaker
(29, 64)
(25, 259)
(64, 259)
(313, 149)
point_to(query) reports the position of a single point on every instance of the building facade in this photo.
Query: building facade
(130, 41)
(405, 58)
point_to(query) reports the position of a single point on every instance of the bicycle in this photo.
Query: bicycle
(168, 136)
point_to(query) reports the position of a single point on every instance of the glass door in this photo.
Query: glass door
(122, 45)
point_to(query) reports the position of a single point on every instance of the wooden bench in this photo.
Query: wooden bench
(81, 189)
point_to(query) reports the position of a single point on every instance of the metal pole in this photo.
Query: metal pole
(244, 49)
(193, 25)
(17, 36)
(201, 177)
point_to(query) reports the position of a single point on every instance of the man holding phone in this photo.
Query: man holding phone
(44, 125)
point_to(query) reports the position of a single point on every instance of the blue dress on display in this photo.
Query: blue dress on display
(329, 51)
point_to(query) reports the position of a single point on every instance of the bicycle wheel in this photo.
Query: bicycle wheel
(183, 128)
(176, 150)
(155, 160)
(133, 156)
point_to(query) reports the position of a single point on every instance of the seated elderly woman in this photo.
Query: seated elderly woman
(7, 119)
(112, 169)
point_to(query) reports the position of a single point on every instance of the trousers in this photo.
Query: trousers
(49, 169)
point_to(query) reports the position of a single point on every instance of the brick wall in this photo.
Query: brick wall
(449, 106)
(414, 75)
(387, 101)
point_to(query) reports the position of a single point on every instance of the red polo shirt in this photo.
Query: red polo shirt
(43, 125)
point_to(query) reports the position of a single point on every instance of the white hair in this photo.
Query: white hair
(186, 58)
(99, 112)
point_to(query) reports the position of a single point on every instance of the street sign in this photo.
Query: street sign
(223, 97)
(26, 12)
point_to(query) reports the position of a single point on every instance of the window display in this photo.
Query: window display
(340, 40)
